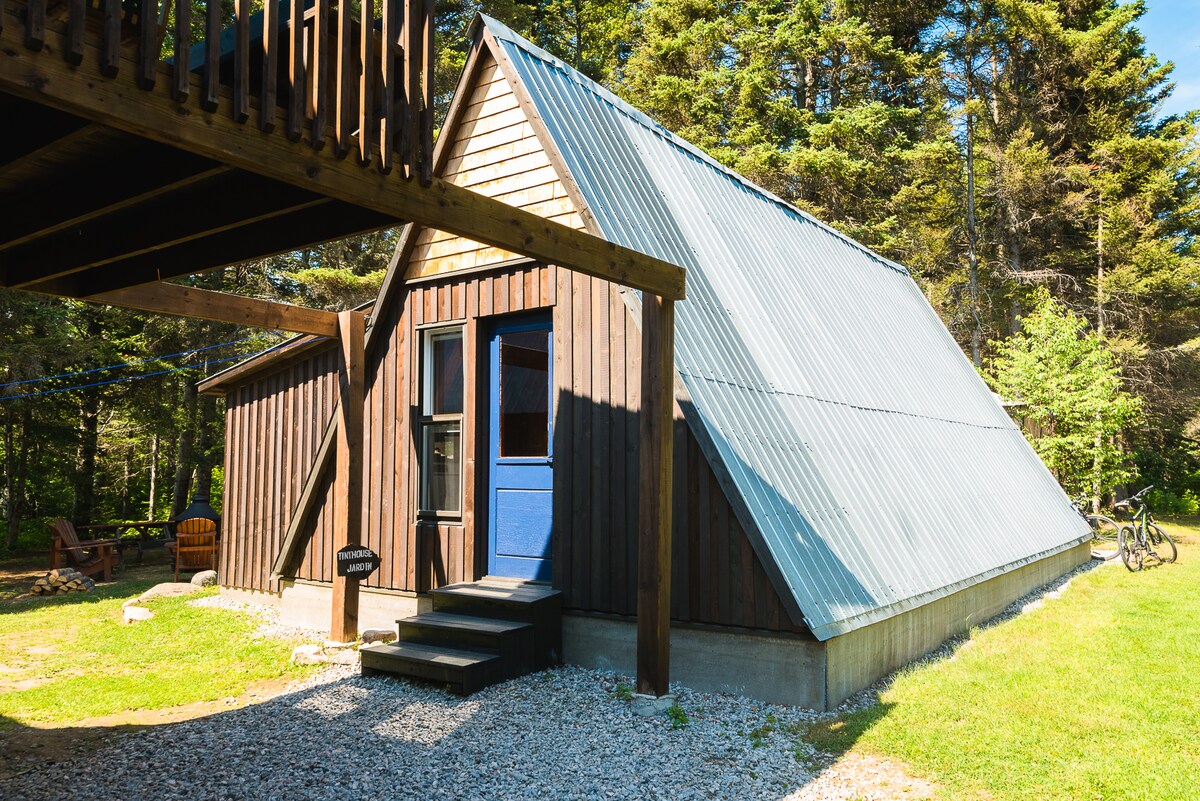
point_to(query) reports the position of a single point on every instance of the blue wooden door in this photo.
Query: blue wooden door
(520, 474)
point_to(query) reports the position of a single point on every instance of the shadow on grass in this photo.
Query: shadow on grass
(834, 737)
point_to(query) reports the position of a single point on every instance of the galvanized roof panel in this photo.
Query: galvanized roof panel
(879, 470)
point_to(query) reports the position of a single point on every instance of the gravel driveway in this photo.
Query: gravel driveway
(561, 734)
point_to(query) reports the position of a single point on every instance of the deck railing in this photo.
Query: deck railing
(304, 63)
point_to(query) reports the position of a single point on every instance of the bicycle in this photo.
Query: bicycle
(1143, 538)
(1104, 529)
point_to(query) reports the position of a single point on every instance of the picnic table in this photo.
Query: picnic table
(151, 534)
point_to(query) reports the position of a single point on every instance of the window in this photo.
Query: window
(441, 423)
(525, 393)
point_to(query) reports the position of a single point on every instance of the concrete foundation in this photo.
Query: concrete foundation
(817, 675)
(864, 655)
(308, 604)
(775, 669)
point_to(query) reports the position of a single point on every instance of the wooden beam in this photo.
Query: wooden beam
(84, 91)
(222, 202)
(654, 511)
(39, 125)
(347, 482)
(45, 209)
(205, 304)
(283, 233)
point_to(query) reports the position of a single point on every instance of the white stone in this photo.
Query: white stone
(205, 578)
(132, 614)
(308, 655)
(647, 705)
(348, 657)
(169, 589)
(377, 635)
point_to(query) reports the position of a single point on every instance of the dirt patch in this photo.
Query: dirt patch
(863, 777)
(15, 580)
(24, 748)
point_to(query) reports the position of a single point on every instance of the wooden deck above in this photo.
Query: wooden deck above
(139, 152)
(90, 209)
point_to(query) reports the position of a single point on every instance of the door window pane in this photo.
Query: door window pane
(525, 393)
(442, 452)
(445, 395)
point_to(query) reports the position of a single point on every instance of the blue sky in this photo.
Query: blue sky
(1172, 30)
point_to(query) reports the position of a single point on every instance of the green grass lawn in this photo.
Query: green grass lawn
(69, 658)
(1091, 696)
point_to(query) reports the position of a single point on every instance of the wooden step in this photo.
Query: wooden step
(512, 640)
(537, 604)
(465, 671)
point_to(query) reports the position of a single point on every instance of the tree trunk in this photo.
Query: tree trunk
(1098, 454)
(205, 457)
(16, 470)
(973, 246)
(183, 456)
(153, 475)
(84, 479)
(835, 79)
(810, 82)
(84, 482)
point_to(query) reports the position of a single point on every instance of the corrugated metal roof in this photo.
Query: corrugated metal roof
(878, 468)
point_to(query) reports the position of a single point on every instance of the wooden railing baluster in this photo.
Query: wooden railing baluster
(375, 88)
(297, 83)
(181, 87)
(387, 102)
(344, 109)
(76, 20)
(266, 108)
(35, 24)
(427, 26)
(366, 82)
(110, 59)
(147, 43)
(241, 60)
(413, 10)
(320, 77)
(212, 56)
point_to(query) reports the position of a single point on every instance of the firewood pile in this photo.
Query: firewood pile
(62, 581)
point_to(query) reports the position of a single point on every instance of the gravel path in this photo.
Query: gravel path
(561, 734)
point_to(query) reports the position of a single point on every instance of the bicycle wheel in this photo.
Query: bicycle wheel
(1161, 543)
(1104, 529)
(1130, 549)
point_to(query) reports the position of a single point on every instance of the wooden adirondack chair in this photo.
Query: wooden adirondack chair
(195, 545)
(89, 557)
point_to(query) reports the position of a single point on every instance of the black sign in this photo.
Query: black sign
(356, 562)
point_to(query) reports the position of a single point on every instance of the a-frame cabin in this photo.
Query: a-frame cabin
(836, 461)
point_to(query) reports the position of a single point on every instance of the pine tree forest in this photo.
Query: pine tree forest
(1011, 153)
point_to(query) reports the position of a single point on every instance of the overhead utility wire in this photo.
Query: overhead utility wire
(281, 346)
(127, 364)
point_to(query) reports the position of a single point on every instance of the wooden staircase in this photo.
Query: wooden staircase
(479, 633)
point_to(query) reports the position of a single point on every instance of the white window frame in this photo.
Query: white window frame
(427, 420)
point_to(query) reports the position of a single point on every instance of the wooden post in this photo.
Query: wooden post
(654, 512)
(347, 486)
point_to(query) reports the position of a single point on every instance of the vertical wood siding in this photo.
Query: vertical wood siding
(276, 422)
(494, 152)
(716, 578)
